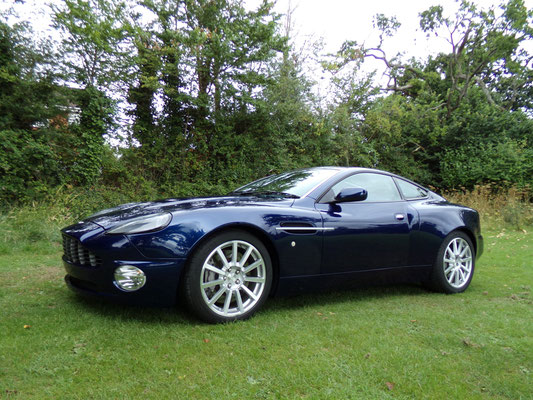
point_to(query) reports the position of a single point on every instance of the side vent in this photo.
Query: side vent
(298, 228)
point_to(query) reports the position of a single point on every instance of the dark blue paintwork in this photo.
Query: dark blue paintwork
(360, 238)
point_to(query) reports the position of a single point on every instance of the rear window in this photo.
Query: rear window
(411, 191)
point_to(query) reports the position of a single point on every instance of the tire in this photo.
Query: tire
(228, 278)
(454, 267)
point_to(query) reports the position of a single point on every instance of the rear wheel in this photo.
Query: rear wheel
(454, 267)
(228, 278)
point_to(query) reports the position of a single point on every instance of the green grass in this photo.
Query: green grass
(388, 342)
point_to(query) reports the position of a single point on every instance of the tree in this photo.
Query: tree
(485, 47)
(28, 98)
(93, 57)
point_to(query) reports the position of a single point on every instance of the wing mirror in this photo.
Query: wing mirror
(351, 194)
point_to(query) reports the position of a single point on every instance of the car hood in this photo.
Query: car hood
(112, 216)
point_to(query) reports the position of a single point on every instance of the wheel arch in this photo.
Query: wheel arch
(251, 229)
(470, 235)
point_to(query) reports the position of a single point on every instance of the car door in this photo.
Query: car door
(369, 234)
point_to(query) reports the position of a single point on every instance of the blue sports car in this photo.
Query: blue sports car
(298, 231)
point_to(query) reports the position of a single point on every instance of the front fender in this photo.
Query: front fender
(188, 229)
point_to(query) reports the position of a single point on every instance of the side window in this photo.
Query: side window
(411, 191)
(379, 187)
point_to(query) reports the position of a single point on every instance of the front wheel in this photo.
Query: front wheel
(228, 278)
(454, 266)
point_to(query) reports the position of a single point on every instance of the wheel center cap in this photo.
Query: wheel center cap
(234, 277)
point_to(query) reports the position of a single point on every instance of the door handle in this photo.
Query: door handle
(400, 217)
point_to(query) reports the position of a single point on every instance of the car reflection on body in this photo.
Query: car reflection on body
(294, 232)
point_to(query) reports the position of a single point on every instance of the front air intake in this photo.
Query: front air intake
(77, 254)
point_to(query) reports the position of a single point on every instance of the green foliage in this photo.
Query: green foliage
(29, 167)
(217, 96)
(27, 95)
(506, 162)
(95, 122)
(91, 41)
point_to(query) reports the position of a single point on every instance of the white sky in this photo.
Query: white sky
(333, 20)
(339, 20)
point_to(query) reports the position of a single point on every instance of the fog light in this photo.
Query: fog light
(129, 278)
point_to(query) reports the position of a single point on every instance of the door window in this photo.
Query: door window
(380, 187)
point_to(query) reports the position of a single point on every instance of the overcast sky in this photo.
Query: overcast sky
(333, 20)
(339, 20)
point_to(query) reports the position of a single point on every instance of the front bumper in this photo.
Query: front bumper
(91, 257)
(162, 278)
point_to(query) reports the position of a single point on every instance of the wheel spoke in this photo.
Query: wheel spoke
(223, 257)
(253, 266)
(450, 267)
(206, 285)
(239, 301)
(255, 279)
(217, 296)
(455, 246)
(214, 269)
(449, 252)
(466, 268)
(463, 277)
(234, 252)
(249, 292)
(457, 277)
(228, 301)
(451, 277)
(245, 256)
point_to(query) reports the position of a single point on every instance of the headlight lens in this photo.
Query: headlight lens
(129, 278)
(146, 223)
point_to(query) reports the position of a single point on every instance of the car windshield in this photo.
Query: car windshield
(289, 184)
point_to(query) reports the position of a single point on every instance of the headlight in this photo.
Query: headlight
(147, 223)
(129, 278)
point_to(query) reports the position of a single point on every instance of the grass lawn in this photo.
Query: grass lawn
(389, 342)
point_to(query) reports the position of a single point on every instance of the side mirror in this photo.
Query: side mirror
(351, 194)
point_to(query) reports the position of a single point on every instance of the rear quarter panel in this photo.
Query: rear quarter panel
(437, 220)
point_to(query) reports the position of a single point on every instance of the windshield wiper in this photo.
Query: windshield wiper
(266, 193)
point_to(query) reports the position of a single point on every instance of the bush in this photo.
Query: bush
(505, 163)
(29, 167)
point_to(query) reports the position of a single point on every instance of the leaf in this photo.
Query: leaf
(77, 347)
(390, 385)
(206, 340)
(27, 326)
(467, 342)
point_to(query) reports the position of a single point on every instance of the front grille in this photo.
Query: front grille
(77, 254)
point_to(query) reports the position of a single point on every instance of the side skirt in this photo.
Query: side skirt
(294, 285)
